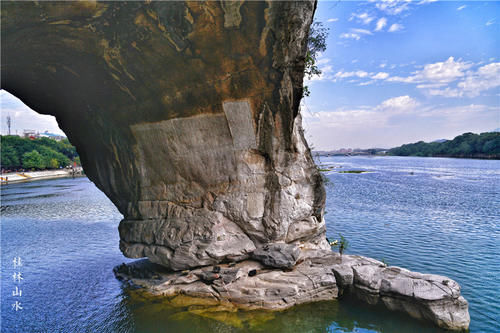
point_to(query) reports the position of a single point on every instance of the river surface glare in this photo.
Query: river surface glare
(433, 215)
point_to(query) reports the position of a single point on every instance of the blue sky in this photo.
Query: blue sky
(23, 117)
(394, 72)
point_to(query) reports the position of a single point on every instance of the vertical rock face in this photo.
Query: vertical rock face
(184, 113)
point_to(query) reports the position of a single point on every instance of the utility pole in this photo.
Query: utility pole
(8, 122)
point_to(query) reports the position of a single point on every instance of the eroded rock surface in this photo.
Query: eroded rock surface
(318, 275)
(184, 113)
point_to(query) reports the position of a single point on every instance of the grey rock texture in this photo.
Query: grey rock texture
(185, 114)
(278, 255)
(318, 275)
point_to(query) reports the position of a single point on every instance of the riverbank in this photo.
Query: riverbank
(16, 177)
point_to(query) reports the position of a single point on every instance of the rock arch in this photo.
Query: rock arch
(185, 114)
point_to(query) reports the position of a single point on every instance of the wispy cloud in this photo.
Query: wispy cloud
(323, 61)
(490, 22)
(362, 31)
(380, 76)
(449, 78)
(423, 2)
(332, 20)
(394, 121)
(350, 35)
(343, 75)
(401, 103)
(393, 7)
(355, 34)
(381, 23)
(395, 27)
(462, 7)
(474, 83)
(364, 18)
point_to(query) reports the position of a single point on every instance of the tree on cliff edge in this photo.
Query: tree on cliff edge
(316, 43)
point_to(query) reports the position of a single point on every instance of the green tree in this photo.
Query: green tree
(465, 145)
(9, 157)
(33, 160)
(54, 163)
(316, 43)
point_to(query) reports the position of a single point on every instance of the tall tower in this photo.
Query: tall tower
(8, 122)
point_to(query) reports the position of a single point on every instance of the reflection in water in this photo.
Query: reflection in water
(65, 231)
(155, 314)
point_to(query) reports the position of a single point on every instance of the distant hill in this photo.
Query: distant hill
(440, 140)
(467, 145)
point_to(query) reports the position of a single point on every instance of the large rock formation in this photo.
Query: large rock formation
(184, 113)
(318, 275)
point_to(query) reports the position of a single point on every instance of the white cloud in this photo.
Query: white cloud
(380, 76)
(449, 78)
(322, 61)
(436, 74)
(350, 36)
(381, 23)
(332, 20)
(355, 34)
(490, 22)
(362, 31)
(393, 122)
(461, 7)
(401, 103)
(485, 78)
(382, 65)
(23, 117)
(326, 72)
(446, 71)
(343, 75)
(366, 83)
(395, 27)
(364, 18)
(470, 83)
(393, 7)
(423, 2)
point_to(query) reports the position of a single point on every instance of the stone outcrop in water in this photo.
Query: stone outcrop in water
(186, 115)
(319, 275)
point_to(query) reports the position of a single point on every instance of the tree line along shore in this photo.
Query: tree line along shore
(19, 153)
(468, 145)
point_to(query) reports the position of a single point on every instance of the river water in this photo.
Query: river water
(433, 215)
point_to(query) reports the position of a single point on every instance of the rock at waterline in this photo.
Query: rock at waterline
(318, 275)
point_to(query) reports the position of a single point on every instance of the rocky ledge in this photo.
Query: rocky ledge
(316, 276)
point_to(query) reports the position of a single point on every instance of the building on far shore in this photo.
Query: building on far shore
(37, 135)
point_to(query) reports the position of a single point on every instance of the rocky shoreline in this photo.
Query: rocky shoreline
(317, 275)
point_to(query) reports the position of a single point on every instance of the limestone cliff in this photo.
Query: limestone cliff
(184, 113)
